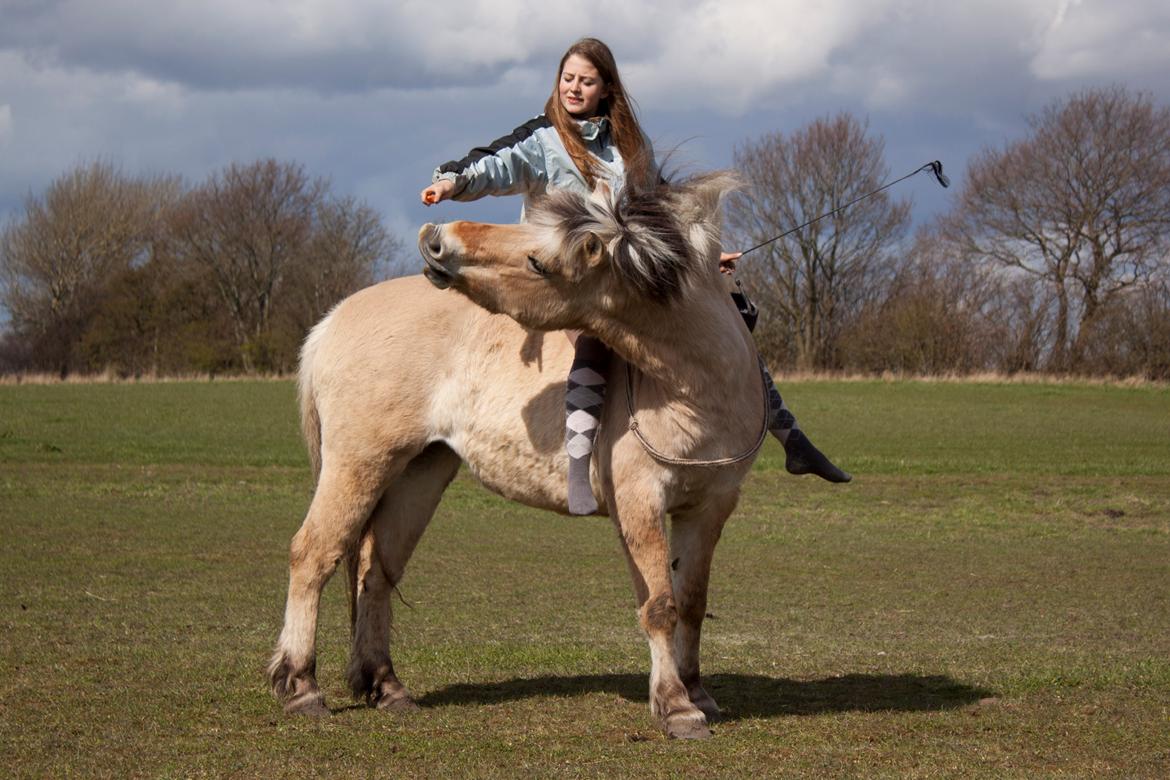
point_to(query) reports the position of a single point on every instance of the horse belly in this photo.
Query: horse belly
(508, 468)
(510, 435)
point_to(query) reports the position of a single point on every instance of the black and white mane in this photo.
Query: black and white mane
(657, 237)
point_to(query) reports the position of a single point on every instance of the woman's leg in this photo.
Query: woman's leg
(801, 456)
(584, 400)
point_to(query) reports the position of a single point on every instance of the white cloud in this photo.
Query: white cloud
(1106, 39)
(730, 54)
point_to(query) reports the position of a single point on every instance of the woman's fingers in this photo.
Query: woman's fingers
(440, 190)
(727, 261)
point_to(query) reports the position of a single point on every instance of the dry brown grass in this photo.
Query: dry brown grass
(982, 378)
(111, 377)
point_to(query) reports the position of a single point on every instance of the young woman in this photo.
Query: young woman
(587, 134)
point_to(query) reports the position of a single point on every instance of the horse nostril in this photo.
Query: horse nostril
(435, 242)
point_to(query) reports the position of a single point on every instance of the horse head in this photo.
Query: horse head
(579, 260)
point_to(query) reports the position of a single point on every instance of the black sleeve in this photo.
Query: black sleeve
(511, 139)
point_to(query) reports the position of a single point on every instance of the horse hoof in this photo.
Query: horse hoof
(687, 728)
(310, 704)
(710, 710)
(397, 702)
(707, 706)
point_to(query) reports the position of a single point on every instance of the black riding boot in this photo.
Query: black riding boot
(801, 456)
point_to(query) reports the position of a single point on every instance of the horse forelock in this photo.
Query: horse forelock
(640, 228)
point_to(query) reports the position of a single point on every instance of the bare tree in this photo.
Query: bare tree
(1131, 335)
(935, 315)
(143, 276)
(812, 283)
(1082, 205)
(248, 227)
(348, 249)
(56, 259)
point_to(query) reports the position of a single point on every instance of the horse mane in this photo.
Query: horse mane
(658, 236)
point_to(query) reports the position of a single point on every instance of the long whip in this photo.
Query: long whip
(934, 167)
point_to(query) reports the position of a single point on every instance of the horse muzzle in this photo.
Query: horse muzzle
(436, 256)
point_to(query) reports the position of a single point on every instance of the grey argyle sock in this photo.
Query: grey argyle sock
(584, 400)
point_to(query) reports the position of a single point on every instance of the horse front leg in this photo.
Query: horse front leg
(693, 536)
(639, 521)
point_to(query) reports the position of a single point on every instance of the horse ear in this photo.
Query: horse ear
(709, 190)
(594, 249)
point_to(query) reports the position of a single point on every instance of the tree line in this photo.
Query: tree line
(143, 275)
(1054, 258)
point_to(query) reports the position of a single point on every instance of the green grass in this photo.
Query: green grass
(989, 597)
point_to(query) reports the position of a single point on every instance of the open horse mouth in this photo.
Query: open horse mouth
(437, 276)
(430, 246)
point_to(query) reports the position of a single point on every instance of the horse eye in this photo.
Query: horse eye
(536, 267)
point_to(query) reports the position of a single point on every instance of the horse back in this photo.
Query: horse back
(402, 364)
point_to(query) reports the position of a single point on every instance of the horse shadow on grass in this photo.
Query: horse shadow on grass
(741, 695)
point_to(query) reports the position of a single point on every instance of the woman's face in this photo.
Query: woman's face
(581, 87)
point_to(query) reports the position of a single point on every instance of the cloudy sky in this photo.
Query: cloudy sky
(374, 93)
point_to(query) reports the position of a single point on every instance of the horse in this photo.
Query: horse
(405, 380)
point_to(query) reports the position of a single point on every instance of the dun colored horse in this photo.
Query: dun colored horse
(405, 380)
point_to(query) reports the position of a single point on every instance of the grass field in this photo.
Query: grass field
(989, 597)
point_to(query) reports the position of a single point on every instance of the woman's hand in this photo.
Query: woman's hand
(440, 190)
(727, 262)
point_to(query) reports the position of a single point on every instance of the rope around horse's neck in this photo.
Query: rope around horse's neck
(661, 457)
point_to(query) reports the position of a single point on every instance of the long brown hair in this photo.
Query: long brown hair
(623, 123)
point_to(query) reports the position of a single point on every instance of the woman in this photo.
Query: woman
(587, 134)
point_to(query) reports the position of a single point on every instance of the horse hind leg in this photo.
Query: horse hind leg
(341, 505)
(395, 528)
(370, 672)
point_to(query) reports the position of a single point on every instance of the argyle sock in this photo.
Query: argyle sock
(801, 457)
(584, 400)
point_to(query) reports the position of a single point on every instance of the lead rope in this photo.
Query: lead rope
(663, 458)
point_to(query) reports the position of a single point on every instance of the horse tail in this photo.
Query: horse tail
(311, 431)
(307, 398)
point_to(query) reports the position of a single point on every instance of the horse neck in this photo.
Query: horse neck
(694, 351)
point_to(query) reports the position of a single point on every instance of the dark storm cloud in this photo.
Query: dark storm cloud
(374, 94)
(216, 47)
